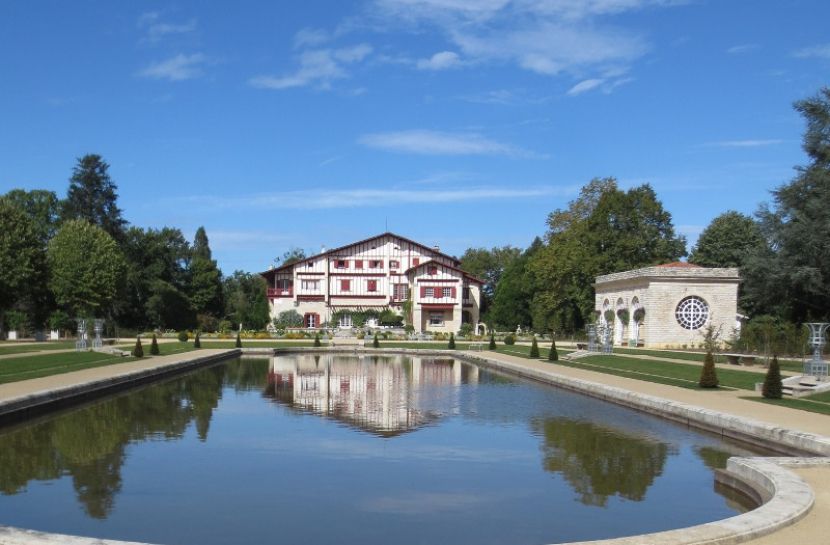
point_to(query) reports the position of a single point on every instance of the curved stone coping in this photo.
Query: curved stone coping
(788, 497)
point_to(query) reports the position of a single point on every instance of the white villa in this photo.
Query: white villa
(667, 306)
(382, 272)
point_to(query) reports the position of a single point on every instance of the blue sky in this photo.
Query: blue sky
(454, 122)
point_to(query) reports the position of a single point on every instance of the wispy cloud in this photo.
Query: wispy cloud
(821, 51)
(155, 29)
(317, 67)
(443, 60)
(426, 142)
(179, 68)
(742, 48)
(310, 37)
(585, 86)
(758, 143)
(370, 197)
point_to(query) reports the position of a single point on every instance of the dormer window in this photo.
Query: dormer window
(432, 270)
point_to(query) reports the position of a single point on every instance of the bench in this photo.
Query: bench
(740, 359)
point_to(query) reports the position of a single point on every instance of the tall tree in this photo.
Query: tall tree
(727, 241)
(20, 255)
(605, 230)
(790, 275)
(245, 300)
(86, 267)
(514, 292)
(93, 196)
(43, 207)
(205, 278)
(292, 255)
(489, 265)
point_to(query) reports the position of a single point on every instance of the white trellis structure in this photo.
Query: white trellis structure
(817, 367)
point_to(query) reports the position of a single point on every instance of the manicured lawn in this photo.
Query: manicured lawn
(691, 356)
(27, 367)
(524, 351)
(22, 348)
(675, 374)
(165, 349)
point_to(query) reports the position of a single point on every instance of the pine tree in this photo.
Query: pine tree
(534, 348)
(238, 340)
(708, 375)
(154, 346)
(376, 342)
(317, 339)
(553, 355)
(197, 342)
(492, 342)
(451, 344)
(93, 196)
(773, 387)
(138, 351)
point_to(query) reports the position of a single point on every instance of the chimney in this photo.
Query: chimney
(323, 249)
(436, 248)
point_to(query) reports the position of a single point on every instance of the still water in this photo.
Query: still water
(368, 450)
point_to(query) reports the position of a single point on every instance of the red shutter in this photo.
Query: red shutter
(380, 264)
(372, 285)
(438, 292)
(358, 264)
(416, 262)
(317, 322)
(453, 293)
(345, 285)
(423, 292)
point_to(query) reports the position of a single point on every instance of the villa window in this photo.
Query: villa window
(433, 271)
(466, 294)
(394, 264)
(309, 265)
(436, 318)
(376, 264)
(283, 284)
(345, 320)
(310, 285)
(692, 312)
(341, 264)
(345, 285)
(429, 292)
(447, 292)
(358, 264)
(371, 285)
(401, 292)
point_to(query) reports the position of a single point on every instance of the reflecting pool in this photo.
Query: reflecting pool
(357, 449)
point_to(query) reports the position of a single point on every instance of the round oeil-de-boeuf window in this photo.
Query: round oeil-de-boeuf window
(692, 312)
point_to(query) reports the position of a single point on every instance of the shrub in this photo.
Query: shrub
(361, 335)
(183, 336)
(197, 342)
(154, 346)
(207, 322)
(534, 348)
(238, 340)
(138, 351)
(376, 342)
(773, 387)
(492, 342)
(465, 330)
(708, 375)
(509, 339)
(288, 318)
(553, 355)
(317, 339)
(451, 344)
(59, 320)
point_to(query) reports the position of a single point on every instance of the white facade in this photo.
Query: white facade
(677, 301)
(377, 273)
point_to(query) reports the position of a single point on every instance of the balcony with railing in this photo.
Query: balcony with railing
(280, 292)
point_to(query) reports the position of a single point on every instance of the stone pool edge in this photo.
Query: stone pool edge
(787, 498)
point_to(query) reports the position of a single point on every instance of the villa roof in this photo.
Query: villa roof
(462, 271)
(341, 248)
(679, 265)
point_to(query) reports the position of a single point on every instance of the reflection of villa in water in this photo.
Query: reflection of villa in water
(382, 395)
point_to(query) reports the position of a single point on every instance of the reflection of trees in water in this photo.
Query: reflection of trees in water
(598, 462)
(89, 444)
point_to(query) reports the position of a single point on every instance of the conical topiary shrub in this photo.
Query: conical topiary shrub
(138, 351)
(375, 341)
(553, 355)
(773, 387)
(708, 375)
(317, 339)
(197, 342)
(238, 340)
(451, 344)
(492, 342)
(154, 346)
(534, 348)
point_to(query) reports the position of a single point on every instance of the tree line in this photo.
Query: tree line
(782, 251)
(78, 257)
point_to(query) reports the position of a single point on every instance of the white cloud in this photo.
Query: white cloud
(585, 86)
(425, 142)
(178, 68)
(821, 51)
(317, 67)
(744, 143)
(322, 198)
(155, 29)
(440, 61)
(742, 48)
(310, 37)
